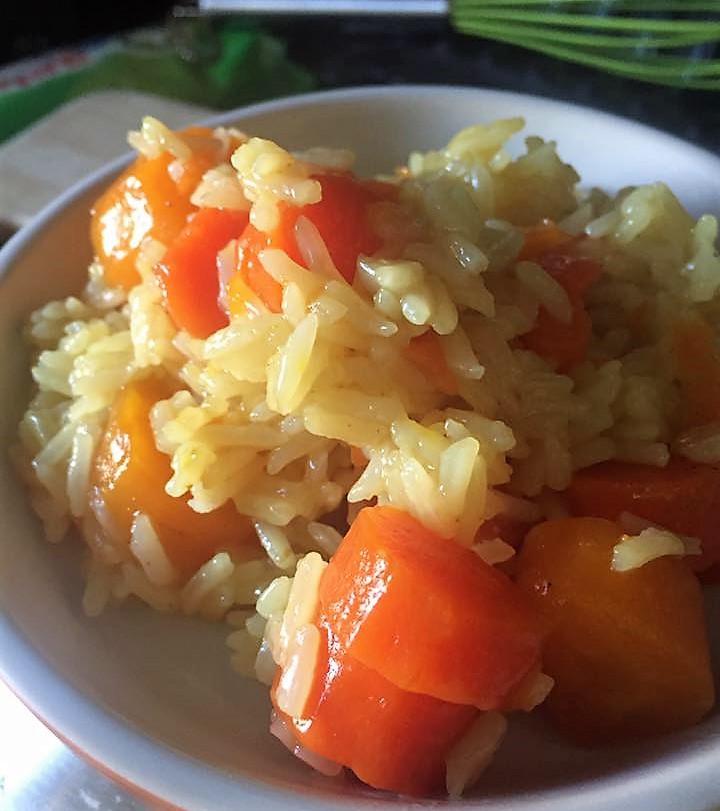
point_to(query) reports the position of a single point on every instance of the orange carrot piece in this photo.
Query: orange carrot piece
(697, 368)
(542, 239)
(341, 218)
(426, 352)
(628, 650)
(251, 274)
(188, 273)
(241, 298)
(711, 575)
(683, 497)
(207, 152)
(575, 273)
(566, 344)
(357, 457)
(144, 198)
(130, 473)
(147, 201)
(502, 526)
(391, 739)
(427, 614)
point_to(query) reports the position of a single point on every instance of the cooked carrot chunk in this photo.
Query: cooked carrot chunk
(565, 344)
(426, 352)
(427, 614)
(542, 239)
(148, 200)
(130, 474)
(341, 218)
(683, 497)
(188, 272)
(628, 650)
(697, 368)
(392, 739)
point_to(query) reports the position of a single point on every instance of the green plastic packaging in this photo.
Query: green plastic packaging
(220, 63)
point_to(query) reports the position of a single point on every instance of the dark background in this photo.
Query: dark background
(342, 52)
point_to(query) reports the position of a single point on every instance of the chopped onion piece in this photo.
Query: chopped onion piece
(635, 551)
(303, 598)
(275, 597)
(535, 692)
(314, 250)
(265, 665)
(634, 524)
(280, 729)
(700, 444)
(226, 263)
(493, 550)
(298, 673)
(472, 754)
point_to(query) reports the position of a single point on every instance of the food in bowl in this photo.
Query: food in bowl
(441, 446)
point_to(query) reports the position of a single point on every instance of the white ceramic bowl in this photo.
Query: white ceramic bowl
(151, 698)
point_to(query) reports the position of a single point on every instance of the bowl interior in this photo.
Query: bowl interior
(162, 684)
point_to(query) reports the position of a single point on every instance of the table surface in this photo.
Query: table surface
(36, 770)
(358, 52)
(39, 773)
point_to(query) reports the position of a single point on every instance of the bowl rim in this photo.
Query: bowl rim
(114, 746)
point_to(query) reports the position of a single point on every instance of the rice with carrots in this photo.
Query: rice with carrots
(458, 340)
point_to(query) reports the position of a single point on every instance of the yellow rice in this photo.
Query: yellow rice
(270, 405)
